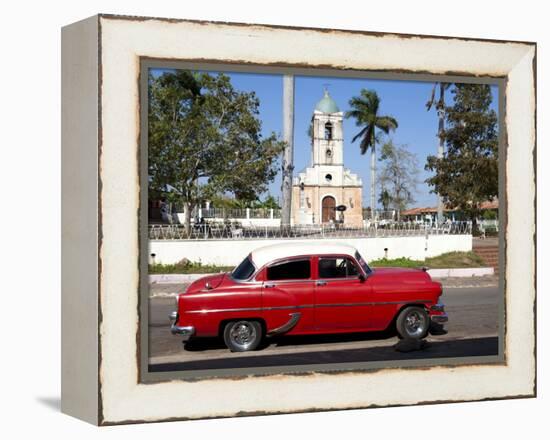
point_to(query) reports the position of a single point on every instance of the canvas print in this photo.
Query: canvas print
(299, 222)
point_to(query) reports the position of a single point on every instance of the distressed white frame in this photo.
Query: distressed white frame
(120, 397)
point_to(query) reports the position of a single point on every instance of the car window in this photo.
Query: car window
(337, 267)
(244, 270)
(289, 270)
(363, 263)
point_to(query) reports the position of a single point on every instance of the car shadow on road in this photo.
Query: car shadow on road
(487, 346)
(205, 344)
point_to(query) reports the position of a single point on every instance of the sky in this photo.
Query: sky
(404, 100)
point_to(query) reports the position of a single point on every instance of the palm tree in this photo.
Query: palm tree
(365, 112)
(440, 108)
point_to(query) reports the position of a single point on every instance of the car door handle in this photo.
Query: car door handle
(321, 283)
(268, 285)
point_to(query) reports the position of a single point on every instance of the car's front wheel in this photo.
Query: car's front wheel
(242, 335)
(413, 322)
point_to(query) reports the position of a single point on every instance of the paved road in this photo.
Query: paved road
(472, 331)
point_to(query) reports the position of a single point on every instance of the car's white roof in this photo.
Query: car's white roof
(266, 254)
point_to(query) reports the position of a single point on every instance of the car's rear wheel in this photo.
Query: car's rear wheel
(413, 322)
(242, 335)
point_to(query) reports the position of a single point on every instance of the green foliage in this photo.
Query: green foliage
(467, 175)
(269, 202)
(396, 262)
(489, 214)
(205, 139)
(398, 176)
(365, 112)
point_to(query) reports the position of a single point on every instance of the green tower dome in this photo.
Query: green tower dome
(327, 104)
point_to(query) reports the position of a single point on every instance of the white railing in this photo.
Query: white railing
(234, 230)
(234, 213)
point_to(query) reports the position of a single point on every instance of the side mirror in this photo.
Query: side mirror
(362, 278)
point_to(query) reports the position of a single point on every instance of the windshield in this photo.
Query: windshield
(363, 263)
(244, 270)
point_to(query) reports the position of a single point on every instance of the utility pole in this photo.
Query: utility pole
(373, 180)
(441, 115)
(288, 153)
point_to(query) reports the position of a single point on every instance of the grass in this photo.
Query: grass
(185, 267)
(444, 261)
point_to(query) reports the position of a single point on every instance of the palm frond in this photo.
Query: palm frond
(361, 133)
(431, 101)
(386, 123)
(368, 139)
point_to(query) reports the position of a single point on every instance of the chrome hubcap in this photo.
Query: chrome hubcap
(414, 323)
(243, 334)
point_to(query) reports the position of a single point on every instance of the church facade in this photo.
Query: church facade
(325, 185)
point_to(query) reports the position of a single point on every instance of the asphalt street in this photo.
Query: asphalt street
(471, 331)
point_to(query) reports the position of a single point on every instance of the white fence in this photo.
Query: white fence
(231, 252)
(236, 230)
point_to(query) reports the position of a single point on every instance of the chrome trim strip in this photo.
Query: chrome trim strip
(246, 309)
(305, 306)
(294, 318)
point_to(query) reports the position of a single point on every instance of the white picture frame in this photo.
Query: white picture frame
(101, 381)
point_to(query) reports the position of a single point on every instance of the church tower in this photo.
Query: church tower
(327, 139)
(326, 184)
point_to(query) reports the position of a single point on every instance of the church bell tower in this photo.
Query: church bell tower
(325, 185)
(328, 139)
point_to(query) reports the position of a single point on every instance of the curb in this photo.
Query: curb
(435, 273)
(462, 272)
(176, 278)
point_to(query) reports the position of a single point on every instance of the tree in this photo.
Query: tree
(270, 202)
(467, 174)
(365, 110)
(440, 108)
(205, 139)
(384, 199)
(399, 175)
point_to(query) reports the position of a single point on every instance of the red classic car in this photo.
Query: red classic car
(306, 288)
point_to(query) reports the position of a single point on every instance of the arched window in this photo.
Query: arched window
(328, 131)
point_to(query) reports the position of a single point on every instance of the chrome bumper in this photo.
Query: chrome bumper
(186, 331)
(439, 319)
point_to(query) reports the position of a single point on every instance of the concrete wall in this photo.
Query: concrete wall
(231, 252)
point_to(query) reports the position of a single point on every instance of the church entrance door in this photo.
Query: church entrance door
(329, 209)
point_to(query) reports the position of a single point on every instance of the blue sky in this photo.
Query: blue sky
(404, 100)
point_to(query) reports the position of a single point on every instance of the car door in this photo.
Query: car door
(288, 289)
(341, 295)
